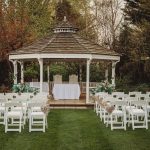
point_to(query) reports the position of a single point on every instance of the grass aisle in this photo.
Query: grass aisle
(75, 130)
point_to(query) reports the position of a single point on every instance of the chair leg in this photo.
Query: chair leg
(124, 122)
(133, 122)
(44, 124)
(20, 123)
(30, 124)
(6, 124)
(111, 122)
(146, 121)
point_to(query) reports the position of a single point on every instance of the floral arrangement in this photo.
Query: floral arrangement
(22, 88)
(104, 86)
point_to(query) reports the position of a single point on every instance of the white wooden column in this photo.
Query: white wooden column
(80, 76)
(22, 71)
(87, 79)
(15, 71)
(48, 74)
(106, 74)
(80, 71)
(41, 74)
(113, 73)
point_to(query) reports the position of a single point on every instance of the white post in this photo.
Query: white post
(80, 71)
(87, 79)
(113, 73)
(22, 71)
(15, 71)
(48, 77)
(80, 76)
(41, 74)
(106, 74)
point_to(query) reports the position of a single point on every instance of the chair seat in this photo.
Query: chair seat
(37, 114)
(19, 108)
(14, 114)
(2, 109)
(137, 112)
(129, 108)
(36, 108)
(117, 112)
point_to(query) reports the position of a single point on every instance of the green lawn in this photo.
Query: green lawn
(75, 130)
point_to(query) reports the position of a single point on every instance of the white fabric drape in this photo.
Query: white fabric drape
(66, 91)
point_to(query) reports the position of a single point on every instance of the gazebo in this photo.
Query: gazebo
(64, 44)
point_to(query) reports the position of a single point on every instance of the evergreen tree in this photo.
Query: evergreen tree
(134, 40)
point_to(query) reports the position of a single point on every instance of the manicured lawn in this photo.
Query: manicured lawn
(75, 130)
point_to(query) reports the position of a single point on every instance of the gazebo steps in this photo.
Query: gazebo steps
(71, 106)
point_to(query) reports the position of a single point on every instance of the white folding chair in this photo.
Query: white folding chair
(129, 99)
(2, 111)
(100, 95)
(118, 115)
(139, 114)
(13, 118)
(37, 118)
(104, 114)
(23, 108)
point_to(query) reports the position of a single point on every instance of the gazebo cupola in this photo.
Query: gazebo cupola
(65, 26)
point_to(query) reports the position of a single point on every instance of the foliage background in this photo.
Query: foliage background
(22, 22)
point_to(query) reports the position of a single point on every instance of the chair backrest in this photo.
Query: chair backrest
(2, 96)
(13, 104)
(3, 100)
(119, 103)
(101, 94)
(142, 96)
(139, 103)
(118, 94)
(22, 97)
(147, 92)
(35, 104)
(134, 94)
(148, 101)
(57, 79)
(73, 79)
(11, 95)
(41, 97)
(130, 99)
(110, 98)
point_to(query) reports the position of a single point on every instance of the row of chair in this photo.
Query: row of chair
(120, 111)
(17, 110)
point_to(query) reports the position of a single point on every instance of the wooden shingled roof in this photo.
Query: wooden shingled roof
(64, 42)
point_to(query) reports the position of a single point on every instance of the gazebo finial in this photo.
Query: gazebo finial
(65, 18)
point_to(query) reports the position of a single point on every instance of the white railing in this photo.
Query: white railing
(46, 86)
